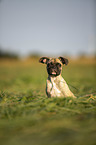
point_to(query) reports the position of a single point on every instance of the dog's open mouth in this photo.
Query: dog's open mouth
(53, 73)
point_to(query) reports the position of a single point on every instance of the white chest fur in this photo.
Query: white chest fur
(57, 87)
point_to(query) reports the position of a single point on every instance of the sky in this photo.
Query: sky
(49, 27)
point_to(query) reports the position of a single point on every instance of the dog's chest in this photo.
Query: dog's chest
(54, 87)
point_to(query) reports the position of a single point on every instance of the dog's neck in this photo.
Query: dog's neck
(54, 78)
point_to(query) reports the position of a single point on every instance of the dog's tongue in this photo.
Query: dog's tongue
(53, 73)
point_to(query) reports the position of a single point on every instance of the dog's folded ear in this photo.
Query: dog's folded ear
(44, 60)
(63, 60)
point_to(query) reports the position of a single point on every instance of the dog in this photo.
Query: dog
(56, 86)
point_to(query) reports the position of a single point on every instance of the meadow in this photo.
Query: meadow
(27, 116)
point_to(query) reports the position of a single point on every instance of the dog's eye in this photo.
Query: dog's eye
(51, 63)
(58, 64)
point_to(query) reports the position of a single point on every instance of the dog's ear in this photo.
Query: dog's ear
(44, 60)
(63, 60)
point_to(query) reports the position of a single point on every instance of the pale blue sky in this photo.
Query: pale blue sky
(48, 26)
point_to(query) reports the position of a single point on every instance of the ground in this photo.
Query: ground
(27, 116)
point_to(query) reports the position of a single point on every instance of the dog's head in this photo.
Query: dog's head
(54, 65)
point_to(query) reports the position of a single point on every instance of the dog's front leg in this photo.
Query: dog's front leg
(49, 87)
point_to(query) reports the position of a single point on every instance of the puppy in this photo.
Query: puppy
(56, 86)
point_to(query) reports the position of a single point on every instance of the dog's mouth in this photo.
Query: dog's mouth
(54, 73)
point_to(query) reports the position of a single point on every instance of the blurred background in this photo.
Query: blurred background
(47, 27)
(30, 29)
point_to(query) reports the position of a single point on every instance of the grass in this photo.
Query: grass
(27, 116)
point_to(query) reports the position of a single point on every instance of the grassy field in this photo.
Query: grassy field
(28, 117)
